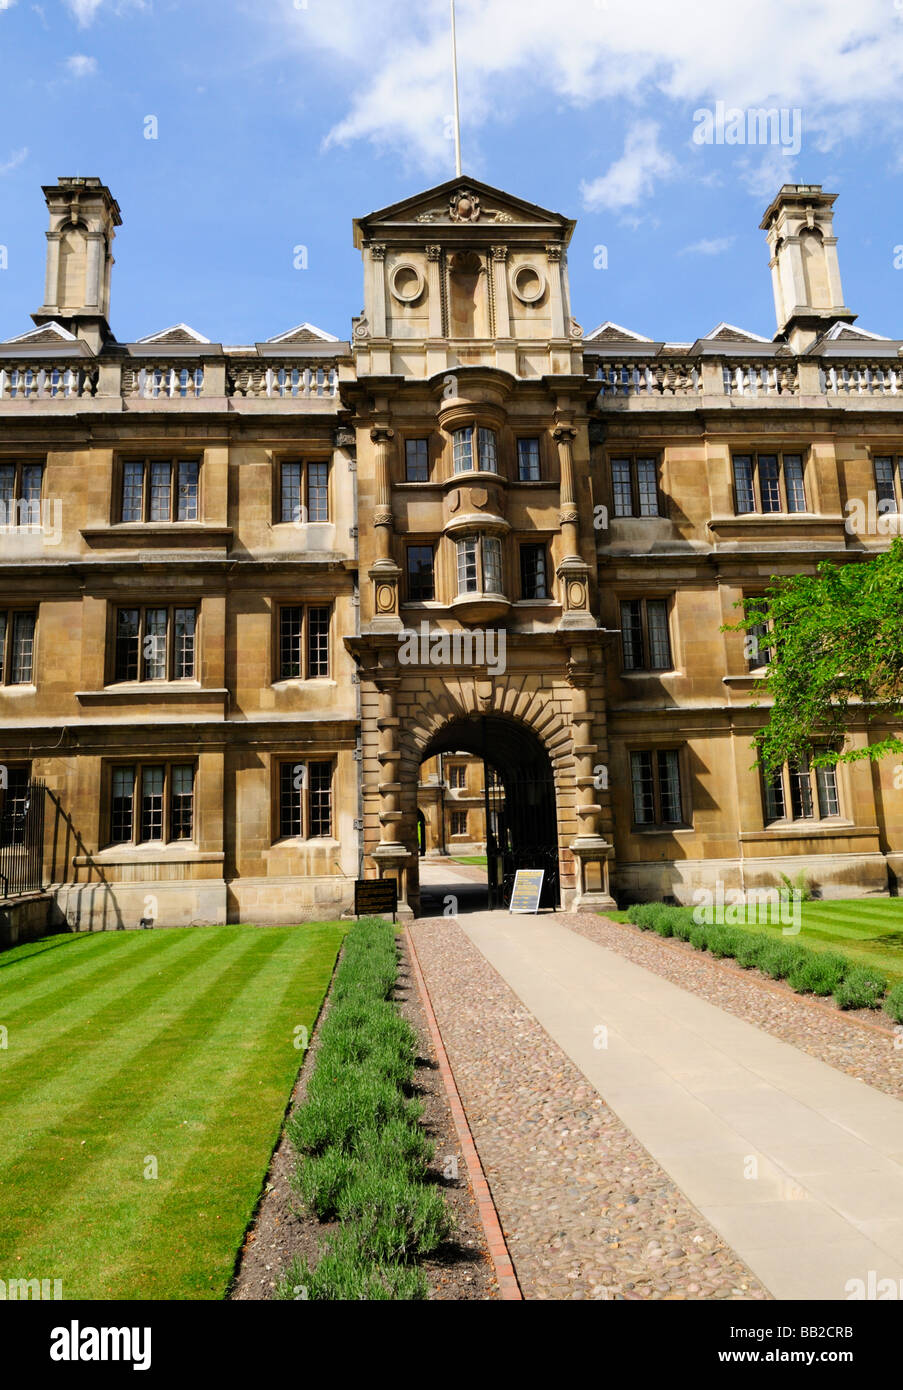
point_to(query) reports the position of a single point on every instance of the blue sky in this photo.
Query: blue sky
(280, 122)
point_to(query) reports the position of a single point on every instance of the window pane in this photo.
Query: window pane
(184, 627)
(884, 484)
(769, 483)
(133, 492)
(291, 492)
(188, 491)
(459, 822)
(291, 622)
(181, 812)
(127, 630)
(292, 777)
(744, 496)
(801, 791)
(32, 474)
(488, 451)
(669, 786)
(647, 486)
(161, 492)
(774, 797)
(533, 577)
(463, 450)
(467, 566)
(659, 637)
(7, 486)
(492, 565)
(632, 634)
(22, 654)
(121, 804)
(528, 460)
(826, 784)
(622, 488)
(421, 584)
(317, 642)
(16, 800)
(320, 793)
(417, 461)
(643, 788)
(318, 492)
(152, 803)
(155, 644)
(793, 482)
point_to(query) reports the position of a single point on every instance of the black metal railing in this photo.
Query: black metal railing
(22, 838)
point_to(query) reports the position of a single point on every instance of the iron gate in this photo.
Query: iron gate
(21, 836)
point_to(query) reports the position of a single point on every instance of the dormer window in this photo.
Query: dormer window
(475, 449)
(480, 565)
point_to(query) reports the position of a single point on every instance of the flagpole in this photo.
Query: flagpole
(457, 108)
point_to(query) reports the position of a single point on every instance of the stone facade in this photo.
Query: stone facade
(266, 584)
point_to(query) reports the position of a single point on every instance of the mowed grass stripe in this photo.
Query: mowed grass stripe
(101, 1082)
(232, 1048)
(49, 1040)
(224, 1132)
(35, 999)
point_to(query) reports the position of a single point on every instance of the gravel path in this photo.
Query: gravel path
(587, 1213)
(861, 1044)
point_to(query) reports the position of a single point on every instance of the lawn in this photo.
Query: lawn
(140, 1053)
(867, 930)
(472, 859)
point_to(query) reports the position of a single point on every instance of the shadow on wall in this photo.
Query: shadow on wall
(76, 906)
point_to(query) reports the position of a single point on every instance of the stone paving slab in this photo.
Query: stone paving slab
(586, 1212)
(711, 1097)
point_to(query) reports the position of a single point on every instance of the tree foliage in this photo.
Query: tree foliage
(836, 646)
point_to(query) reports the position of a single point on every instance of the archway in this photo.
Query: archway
(519, 801)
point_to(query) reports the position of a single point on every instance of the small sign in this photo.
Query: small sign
(527, 890)
(374, 896)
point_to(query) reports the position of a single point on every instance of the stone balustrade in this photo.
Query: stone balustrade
(40, 381)
(862, 379)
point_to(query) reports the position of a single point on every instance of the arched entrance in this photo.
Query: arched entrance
(519, 799)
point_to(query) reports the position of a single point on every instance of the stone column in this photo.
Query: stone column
(391, 856)
(377, 305)
(52, 283)
(564, 436)
(384, 573)
(590, 848)
(434, 290)
(500, 281)
(555, 291)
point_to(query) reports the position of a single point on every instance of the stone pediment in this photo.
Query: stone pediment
(179, 335)
(47, 334)
(463, 202)
(730, 333)
(302, 333)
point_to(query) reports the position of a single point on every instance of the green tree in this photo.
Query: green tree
(836, 659)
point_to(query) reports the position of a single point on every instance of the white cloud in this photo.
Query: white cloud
(85, 11)
(79, 65)
(7, 4)
(841, 63)
(632, 177)
(15, 159)
(709, 246)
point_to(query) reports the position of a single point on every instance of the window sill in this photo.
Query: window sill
(651, 674)
(182, 692)
(133, 535)
(20, 687)
(754, 519)
(681, 829)
(157, 853)
(287, 682)
(296, 842)
(809, 830)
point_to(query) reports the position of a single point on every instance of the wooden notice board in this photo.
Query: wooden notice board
(374, 896)
(527, 890)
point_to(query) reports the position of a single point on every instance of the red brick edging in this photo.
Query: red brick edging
(498, 1249)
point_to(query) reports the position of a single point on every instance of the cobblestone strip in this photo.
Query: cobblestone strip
(861, 1047)
(495, 1240)
(586, 1212)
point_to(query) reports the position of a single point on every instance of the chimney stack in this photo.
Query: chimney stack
(805, 272)
(84, 216)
